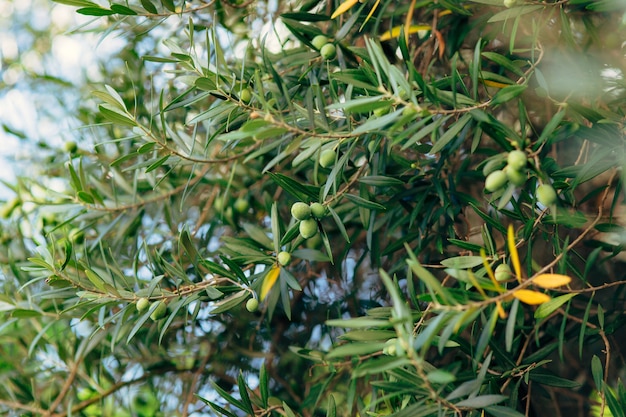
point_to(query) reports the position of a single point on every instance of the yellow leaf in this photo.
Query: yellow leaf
(369, 15)
(269, 281)
(531, 297)
(495, 282)
(501, 311)
(514, 255)
(395, 32)
(551, 280)
(496, 84)
(475, 283)
(343, 7)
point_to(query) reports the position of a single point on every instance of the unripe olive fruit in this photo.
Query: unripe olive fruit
(84, 394)
(318, 210)
(252, 305)
(391, 347)
(517, 159)
(327, 157)
(496, 180)
(319, 41)
(546, 195)
(300, 211)
(503, 272)
(245, 95)
(516, 177)
(314, 242)
(142, 304)
(308, 228)
(159, 312)
(218, 204)
(241, 205)
(70, 146)
(328, 51)
(283, 258)
(510, 3)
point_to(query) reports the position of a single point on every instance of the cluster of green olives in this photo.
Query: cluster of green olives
(515, 172)
(327, 49)
(307, 215)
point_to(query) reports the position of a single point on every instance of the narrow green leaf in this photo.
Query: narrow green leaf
(503, 62)
(119, 9)
(513, 12)
(510, 325)
(358, 323)
(149, 6)
(76, 3)
(451, 133)
(481, 401)
(368, 335)
(361, 202)
(85, 197)
(380, 180)
(439, 376)
(597, 372)
(331, 408)
(355, 349)
(583, 328)
(302, 192)
(545, 309)
(156, 164)
(507, 94)
(500, 411)
(169, 5)
(116, 116)
(95, 11)
(243, 393)
(264, 385)
(462, 262)
(230, 302)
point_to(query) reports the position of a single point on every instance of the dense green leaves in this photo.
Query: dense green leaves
(156, 265)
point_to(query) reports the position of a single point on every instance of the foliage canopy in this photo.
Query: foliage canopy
(313, 208)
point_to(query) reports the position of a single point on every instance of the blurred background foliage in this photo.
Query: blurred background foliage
(312, 208)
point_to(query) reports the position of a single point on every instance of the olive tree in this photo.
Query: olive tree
(311, 208)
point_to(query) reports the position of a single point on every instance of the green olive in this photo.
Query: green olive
(319, 41)
(70, 147)
(496, 180)
(318, 210)
(300, 211)
(327, 158)
(503, 272)
(241, 205)
(252, 305)
(517, 160)
(516, 177)
(142, 304)
(283, 258)
(308, 228)
(546, 195)
(510, 3)
(245, 95)
(328, 51)
(159, 311)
